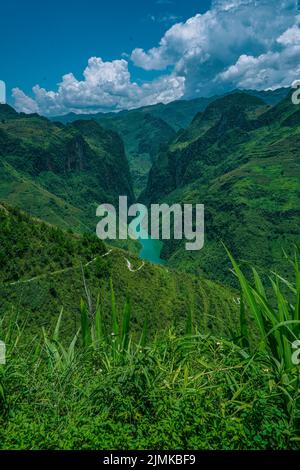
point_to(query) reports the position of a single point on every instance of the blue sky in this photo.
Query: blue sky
(43, 40)
(90, 56)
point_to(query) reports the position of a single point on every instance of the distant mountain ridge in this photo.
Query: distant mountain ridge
(233, 151)
(145, 130)
(178, 114)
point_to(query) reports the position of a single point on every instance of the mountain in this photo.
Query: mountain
(178, 114)
(7, 112)
(176, 166)
(61, 173)
(42, 271)
(145, 130)
(143, 135)
(241, 159)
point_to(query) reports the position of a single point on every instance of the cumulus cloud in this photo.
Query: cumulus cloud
(263, 72)
(28, 105)
(106, 86)
(235, 44)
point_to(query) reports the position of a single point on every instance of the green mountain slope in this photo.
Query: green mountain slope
(271, 97)
(42, 271)
(21, 191)
(241, 160)
(146, 130)
(61, 173)
(178, 114)
(143, 135)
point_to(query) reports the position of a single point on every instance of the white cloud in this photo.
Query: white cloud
(237, 43)
(28, 104)
(291, 37)
(166, 19)
(263, 72)
(205, 46)
(106, 86)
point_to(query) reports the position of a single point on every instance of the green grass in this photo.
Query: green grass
(189, 392)
(277, 320)
(109, 388)
(44, 269)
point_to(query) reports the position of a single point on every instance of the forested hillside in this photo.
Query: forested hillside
(60, 173)
(44, 269)
(240, 158)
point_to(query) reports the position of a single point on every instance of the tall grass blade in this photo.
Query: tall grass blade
(114, 316)
(85, 329)
(125, 325)
(189, 321)
(57, 326)
(99, 334)
(249, 297)
(144, 335)
(243, 324)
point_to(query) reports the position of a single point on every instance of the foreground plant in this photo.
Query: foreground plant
(105, 388)
(277, 318)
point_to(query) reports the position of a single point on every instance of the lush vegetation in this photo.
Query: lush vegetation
(104, 390)
(61, 173)
(241, 159)
(277, 321)
(44, 269)
(143, 135)
(145, 131)
(105, 351)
